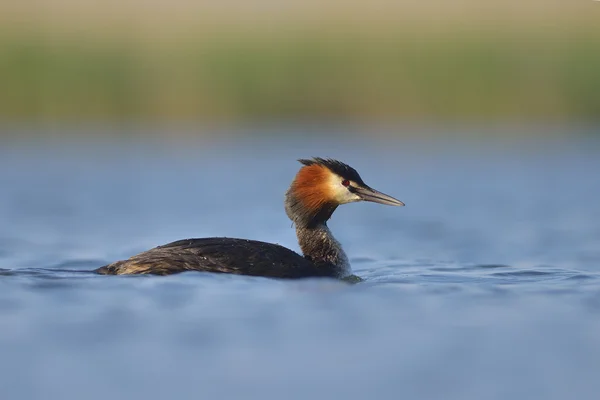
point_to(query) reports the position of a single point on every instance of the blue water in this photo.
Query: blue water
(485, 286)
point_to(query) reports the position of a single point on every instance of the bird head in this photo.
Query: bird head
(322, 185)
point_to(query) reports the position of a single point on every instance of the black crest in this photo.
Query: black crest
(335, 166)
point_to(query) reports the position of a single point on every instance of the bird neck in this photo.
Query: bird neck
(319, 246)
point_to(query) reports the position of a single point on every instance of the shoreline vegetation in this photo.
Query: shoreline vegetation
(457, 72)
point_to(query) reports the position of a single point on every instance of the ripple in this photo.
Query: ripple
(524, 273)
(581, 277)
(363, 260)
(492, 266)
(45, 273)
(79, 263)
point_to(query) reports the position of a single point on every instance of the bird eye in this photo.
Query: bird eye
(346, 182)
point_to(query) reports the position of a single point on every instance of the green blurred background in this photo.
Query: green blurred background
(265, 60)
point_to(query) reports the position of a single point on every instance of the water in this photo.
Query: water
(485, 286)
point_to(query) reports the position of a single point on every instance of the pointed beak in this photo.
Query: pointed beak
(369, 194)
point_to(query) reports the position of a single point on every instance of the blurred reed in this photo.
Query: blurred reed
(357, 65)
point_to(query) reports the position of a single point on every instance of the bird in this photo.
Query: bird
(319, 187)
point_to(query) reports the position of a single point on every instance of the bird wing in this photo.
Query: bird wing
(225, 255)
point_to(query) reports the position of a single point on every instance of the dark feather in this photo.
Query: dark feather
(225, 255)
(335, 166)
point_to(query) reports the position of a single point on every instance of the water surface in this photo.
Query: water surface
(485, 286)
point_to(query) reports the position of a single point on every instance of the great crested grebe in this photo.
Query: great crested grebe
(319, 187)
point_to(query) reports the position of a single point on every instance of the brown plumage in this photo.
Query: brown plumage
(311, 186)
(310, 195)
(316, 191)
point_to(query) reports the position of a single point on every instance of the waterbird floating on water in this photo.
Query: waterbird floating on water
(318, 189)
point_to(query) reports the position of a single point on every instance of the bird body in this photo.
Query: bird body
(218, 254)
(318, 189)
